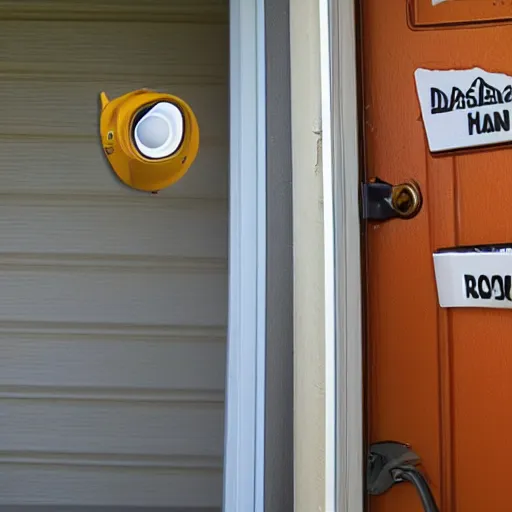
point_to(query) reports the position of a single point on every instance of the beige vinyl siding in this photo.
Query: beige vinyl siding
(113, 303)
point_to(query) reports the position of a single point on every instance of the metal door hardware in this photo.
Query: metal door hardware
(390, 463)
(383, 201)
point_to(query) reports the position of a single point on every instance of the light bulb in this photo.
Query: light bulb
(158, 134)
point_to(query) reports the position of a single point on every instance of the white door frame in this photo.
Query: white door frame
(344, 466)
(245, 384)
(245, 398)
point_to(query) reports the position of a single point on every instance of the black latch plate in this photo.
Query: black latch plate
(376, 198)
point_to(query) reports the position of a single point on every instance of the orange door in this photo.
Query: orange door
(437, 379)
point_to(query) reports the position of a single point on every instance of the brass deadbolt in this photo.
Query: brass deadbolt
(406, 199)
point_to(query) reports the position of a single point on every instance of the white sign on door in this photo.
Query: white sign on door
(474, 278)
(464, 108)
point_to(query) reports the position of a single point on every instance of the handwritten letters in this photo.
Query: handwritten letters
(465, 108)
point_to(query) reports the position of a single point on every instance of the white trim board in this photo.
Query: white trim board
(329, 256)
(346, 261)
(245, 395)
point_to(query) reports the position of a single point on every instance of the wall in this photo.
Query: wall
(114, 303)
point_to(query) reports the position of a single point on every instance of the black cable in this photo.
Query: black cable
(410, 474)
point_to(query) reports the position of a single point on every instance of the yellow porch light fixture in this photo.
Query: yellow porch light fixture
(150, 139)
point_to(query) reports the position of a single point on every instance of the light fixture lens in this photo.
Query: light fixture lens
(158, 134)
(153, 131)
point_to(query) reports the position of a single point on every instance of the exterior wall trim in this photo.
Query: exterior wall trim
(245, 396)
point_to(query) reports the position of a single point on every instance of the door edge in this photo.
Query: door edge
(347, 295)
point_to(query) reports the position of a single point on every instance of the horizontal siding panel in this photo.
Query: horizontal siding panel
(60, 485)
(31, 165)
(124, 428)
(117, 10)
(72, 110)
(101, 460)
(145, 227)
(88, 296)
(110, 48)
(110, 395)
(137, 362)
(48, 262)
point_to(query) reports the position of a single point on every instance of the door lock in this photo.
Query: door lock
(383, 201)
(390, 463)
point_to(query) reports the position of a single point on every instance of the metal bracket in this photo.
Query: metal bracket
(390, 463)
(383, 458)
